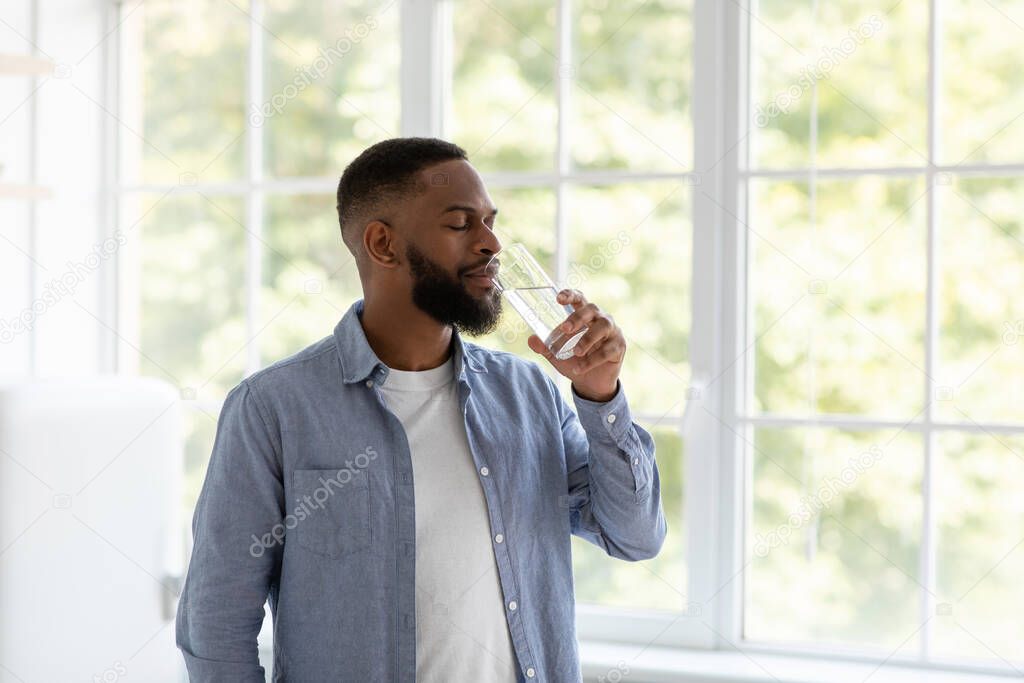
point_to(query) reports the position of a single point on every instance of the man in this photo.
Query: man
(404, 497)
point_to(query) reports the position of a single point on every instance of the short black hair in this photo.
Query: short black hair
(384, 173)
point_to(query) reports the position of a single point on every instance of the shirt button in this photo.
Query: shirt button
(611, 418)
(499, 538)
(512, 605)
(530, 673)
(369, 383)
(484, 471)
(636, 461)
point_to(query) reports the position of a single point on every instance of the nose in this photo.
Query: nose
(489, 243)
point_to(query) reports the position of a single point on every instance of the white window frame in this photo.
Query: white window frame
(717, 476)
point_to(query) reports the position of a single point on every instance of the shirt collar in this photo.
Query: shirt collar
(359, 362)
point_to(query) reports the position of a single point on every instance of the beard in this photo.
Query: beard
(447, 300)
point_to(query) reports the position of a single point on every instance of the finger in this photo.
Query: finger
(535, 344)
(573, 297)
(599, 330)
(579, 318)
(608, 353)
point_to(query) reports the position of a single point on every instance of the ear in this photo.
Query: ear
(381, 243)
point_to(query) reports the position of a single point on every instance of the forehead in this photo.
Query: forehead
(452, 182)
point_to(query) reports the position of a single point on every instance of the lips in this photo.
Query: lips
(483, 280)
(483, 276)
(487, 270)
(483, 272)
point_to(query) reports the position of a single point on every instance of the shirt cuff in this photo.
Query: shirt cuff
(611, 417)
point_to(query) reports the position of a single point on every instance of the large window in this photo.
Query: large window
(803, 214)
(882, 415)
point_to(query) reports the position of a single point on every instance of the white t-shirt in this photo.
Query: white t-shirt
(461, 631)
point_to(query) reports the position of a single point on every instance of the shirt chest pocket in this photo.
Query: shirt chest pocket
(332, 511)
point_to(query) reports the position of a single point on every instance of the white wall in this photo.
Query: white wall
(68, 139)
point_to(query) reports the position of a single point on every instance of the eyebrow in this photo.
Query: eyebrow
(467, 209)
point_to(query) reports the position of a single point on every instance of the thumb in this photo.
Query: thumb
(535, 344)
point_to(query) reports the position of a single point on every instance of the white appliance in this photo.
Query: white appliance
(90, 541)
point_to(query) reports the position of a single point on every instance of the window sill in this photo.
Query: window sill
(601, 660)
(604, 662)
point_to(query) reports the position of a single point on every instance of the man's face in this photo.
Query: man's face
(452, 243)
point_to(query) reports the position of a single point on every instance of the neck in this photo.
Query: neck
(403, 336)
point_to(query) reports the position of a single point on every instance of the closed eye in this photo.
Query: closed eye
(459, 227)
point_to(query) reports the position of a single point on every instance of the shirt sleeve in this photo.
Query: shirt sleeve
(235, 557)
(614, 493)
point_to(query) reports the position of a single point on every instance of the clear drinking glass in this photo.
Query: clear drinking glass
(534, 296)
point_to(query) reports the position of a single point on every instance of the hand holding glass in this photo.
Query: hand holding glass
(532, 293)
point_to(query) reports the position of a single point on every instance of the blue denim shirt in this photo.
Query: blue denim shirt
(308, 501)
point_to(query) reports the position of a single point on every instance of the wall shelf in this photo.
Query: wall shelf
(13, 191)
(24, 65)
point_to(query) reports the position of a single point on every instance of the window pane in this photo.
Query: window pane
(982, 88)
(833, 547)
(200, 425)
(503, 90)
(980, 554)
(782, 38)
(981, 336)
(659, 583)
(527, 215)
(838, 304)
(331, 88)
(630, 253)
(309, 276)
(865, 120)
(191, 312)
(633, 78)
(829, 54)
(183, 115)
